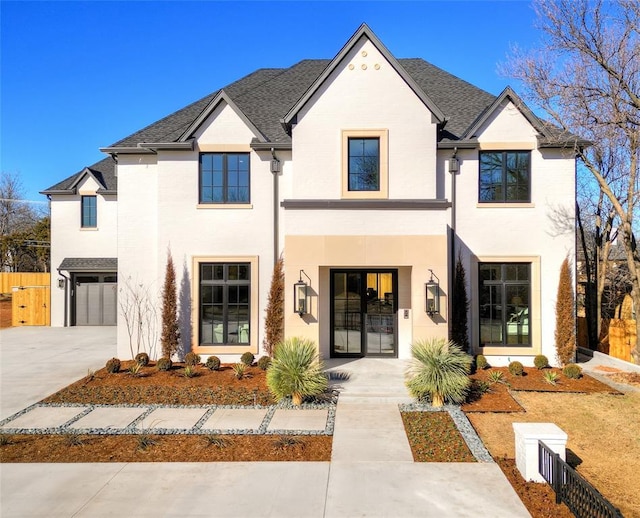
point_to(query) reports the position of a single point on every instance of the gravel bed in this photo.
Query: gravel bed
(475, 444)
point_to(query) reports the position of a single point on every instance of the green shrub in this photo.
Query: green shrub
(134, 369)
(572, 371)
(213, 363)
(113, 365)
(439, 370)
(495, 376)
(191, 358)
(247, 358)
(164, 364)
(239, 369)
(541, 362)
(516, 368)
(551, 377)
(264, 362)
(296, 370)
(190, 371)
(142, 359)
(481, 362)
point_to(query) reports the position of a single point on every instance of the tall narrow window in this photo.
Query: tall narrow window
(505, 177)
(89, 212)
(224, 178)
(505, 301)
(364, 164)
(225, 301)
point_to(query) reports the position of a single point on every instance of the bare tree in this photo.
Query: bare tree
(585, 75)
(140, 317)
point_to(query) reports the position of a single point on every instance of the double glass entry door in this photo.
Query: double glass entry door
(364, 313)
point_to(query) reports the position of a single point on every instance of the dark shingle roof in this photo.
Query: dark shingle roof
(103, 171)
(266, 95)
(87, 264)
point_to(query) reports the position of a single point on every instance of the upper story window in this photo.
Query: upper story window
(224, 178)
(89, 211)
(365, 164)
(505, 177)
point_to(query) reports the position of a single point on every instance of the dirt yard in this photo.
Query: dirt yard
(603, 437)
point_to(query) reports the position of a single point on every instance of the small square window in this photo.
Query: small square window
(505, 177)
(224, 178)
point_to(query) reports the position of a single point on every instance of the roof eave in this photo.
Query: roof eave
(459, 144)
(126, 150)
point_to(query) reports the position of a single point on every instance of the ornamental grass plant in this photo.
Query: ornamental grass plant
(438, 371)
(296, 371)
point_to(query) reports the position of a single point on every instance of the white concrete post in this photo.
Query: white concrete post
(527, 437)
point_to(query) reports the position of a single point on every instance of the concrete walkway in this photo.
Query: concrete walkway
(371, 472)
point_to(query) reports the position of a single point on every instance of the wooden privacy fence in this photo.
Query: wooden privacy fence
(622, 338)
(10, 280)
(30, 298)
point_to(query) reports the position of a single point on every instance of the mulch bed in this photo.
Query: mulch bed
(499, 397)
(165, 448)
(151, 386)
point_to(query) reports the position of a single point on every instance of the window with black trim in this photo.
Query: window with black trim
(505, 177)
(225, 302)
(224, 178)
(505, 302)
(88, 211)
(364, 164)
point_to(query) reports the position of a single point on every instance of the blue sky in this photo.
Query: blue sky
(76, 76)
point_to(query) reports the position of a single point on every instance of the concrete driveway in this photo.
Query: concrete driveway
(37, 361)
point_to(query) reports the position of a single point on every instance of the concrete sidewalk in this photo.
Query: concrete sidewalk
(371, 472)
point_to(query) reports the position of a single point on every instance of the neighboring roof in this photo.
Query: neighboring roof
(269, 97)
(89, 264)
(103, 172)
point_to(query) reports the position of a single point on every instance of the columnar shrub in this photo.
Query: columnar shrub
(541, 362)
(191, 358)
(460, 308)
(438, 371)
(247, 358)
(565, 333)
(274, 318)
(296, 370)
(213, 363)
(170, 334)
(516, 368)
(113, 365)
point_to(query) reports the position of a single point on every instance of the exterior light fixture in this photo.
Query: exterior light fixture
(301, 295)
(432, 295)
(454, 165)
(60, 282)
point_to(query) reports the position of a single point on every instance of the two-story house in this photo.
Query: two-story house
(369, 174)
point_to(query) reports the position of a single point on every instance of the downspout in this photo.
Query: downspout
(67, 282)
(454, 168)
(275, 170)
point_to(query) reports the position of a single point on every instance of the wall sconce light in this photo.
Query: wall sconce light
(432, 295)
(60, 282)
(454, 165)
(301, 295)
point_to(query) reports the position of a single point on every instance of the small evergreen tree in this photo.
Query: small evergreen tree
(170, 334)
(460, 308)
(274, 320)
(565, 334)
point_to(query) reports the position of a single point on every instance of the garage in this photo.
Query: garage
(92, 290)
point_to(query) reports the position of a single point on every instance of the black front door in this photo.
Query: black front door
(364, 313)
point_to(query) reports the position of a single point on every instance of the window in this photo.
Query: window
(505, 176)
(225, 301)
(89, 212)
(505, 300)
(364, 164)
(224, 178)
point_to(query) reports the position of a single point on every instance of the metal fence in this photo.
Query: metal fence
(584, 500)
